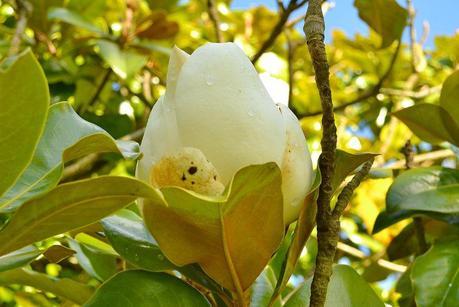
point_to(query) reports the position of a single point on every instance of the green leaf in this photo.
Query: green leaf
(449, 97)
(142, 288)
(125, 63)
(66, 137)
(263, 289)
(304, 226)
(232, 237)
(346, 289)
(74, 19)
(39, 19)
(432, 191)
(19, 258)
(129, 237)
(64, 287)
(404, 244)
(435, 276)
(24, 100)
(385, 17)
(70, 206)
(345, 164)
(430, 122)
(95, 262)
(405, 289)
(57, 253)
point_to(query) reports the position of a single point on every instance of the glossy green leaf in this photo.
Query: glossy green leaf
(346, 289)
(304, 226)
(345, 164)
(232, 237)
(385, 17)
(130, 238)
(405, 288)
(74, 19)
(263, 289)
(66, 137)
(433, 191)
(125, 63)
(143, 288)
(63, 287)
(430, 122)
(24, 100)
(449, 97)
(70, 206)
(404, 244)
(19, 258)
(95, 262)
(435, 276)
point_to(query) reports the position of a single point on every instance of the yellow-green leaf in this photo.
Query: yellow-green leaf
(24, 100)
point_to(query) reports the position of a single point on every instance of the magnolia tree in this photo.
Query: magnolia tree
(220, 204)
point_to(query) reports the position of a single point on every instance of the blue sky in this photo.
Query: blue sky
(443, 16)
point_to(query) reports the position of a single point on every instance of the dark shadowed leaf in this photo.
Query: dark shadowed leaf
(66, 137)
(57, 253)
(70, 206)
(24, 100)
(435, 276)
(146, 289)
(129, 237)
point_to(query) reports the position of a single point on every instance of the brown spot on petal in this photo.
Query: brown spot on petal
(192, 170)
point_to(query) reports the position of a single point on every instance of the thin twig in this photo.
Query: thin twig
(23, 9)
(213, 15)
(346, 193)
(350, 250)
(98, 91)
(277, 30)
(369, 93)
(429, 156)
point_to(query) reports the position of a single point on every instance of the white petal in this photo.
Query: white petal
(296, 168)
(160, 138)
(224, 110)
(177, 58)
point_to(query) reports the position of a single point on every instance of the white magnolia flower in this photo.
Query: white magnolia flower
(215, 118)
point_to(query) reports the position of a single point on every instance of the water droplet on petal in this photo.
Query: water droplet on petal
(210, 80)
(251, 113)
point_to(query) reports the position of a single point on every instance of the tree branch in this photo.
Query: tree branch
(23, 9)
(277, 30)
(327, 229)
(369, 93)
(328, 226)
(213, 15)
